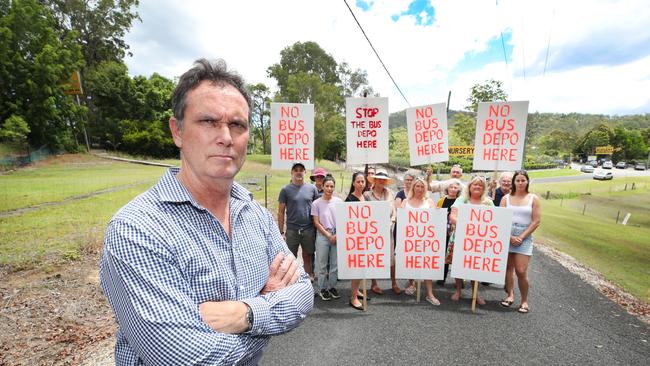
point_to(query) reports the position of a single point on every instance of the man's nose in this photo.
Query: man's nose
(223, 136)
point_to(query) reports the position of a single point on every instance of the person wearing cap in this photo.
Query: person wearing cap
(295, 201)
(380, 192)
(317, 177)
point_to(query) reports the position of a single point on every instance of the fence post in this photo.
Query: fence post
(618, 215)
(625, 189)
(632, 186)
(561, 201)
(548, 193)
(266, 203)
(584, 208)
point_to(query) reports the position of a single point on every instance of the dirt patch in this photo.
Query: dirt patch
(51, 317)
(615, 293)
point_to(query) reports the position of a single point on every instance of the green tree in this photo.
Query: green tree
(558, 143)
(261, 115)
(353, 83)
(99, 26)
(34, 60)
(14, 131)
(629, 145)
(307, 57)
(601, 135)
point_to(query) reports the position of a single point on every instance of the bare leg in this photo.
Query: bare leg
(306, 259)
(354, 290)
(459, 287)
(395, 286)
(521, 268)
(479, 299)
(510, 277)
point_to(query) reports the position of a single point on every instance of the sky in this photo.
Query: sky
(562, 56)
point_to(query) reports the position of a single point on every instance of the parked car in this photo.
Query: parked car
(639, 166)
(603, 175)
(587, 169)
(593, 163)
(607, 165)
(621, 165)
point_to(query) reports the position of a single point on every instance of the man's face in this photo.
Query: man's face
(505, 183)
(298, 175)
(408, 180)
(215, 130)
(456, 172)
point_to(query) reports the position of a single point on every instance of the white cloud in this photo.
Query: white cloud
(597, 60)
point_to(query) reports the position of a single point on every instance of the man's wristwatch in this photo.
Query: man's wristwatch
(249, 317)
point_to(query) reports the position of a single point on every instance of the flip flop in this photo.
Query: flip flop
(506, 303)
(360, 307)
(397, 290)
(523, 309)
(377, 290)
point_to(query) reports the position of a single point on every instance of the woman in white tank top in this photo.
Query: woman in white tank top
(526, 218)
(417, 198)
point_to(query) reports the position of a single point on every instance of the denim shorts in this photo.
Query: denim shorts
(526, 247)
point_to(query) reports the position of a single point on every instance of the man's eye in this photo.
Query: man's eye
(238, 125)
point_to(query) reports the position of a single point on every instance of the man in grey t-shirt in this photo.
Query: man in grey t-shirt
(295, 199)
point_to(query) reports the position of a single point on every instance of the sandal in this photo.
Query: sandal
(432, 300)
(377, 290)
(523, 309)
(360, 307)
(506, 303)
(396, 290)
(410, 290)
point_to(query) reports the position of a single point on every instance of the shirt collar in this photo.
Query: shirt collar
(171, 190)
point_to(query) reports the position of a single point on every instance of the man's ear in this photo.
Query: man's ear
(177, 133)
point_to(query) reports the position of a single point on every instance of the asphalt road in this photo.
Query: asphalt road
(569, 323)
(618, 174)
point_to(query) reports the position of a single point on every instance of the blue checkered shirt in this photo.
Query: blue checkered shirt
(164, 254)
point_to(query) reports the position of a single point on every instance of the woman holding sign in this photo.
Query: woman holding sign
(526, 219)
(475, 193)
(357, 188)
(324, 214)
(452, 190)
(417, 198)
(379, 192)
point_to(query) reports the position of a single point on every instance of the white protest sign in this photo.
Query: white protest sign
(292, 135)
(481, 243)
(428, 134)
(500, 135)
(420, 249)
(366, 130)
(363, 239)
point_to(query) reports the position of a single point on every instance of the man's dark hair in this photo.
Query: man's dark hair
(215, 71)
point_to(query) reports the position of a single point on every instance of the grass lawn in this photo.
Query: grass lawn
(67, 176)
(51, 234)
(552, 173)
(620, 253)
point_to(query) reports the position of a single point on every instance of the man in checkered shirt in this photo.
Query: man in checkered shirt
(196, 271)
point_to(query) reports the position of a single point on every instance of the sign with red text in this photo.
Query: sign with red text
(427, 132)
(420, 249)
(500, 135)
(367, 130)
(363, 239)
(292, 135)
(481, 243)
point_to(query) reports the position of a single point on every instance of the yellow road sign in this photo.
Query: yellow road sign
(461, 150)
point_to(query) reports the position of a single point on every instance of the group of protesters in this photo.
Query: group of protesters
(311, 223)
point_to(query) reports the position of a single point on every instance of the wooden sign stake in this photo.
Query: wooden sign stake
(474, 295)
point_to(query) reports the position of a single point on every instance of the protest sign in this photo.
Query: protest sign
(500, 135)
(366, 130)
(481, 243)
(292, 135)
(420, 249)
(427, 133)
(363, 239)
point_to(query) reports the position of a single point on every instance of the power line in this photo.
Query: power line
(376, 54)
(548, 45)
